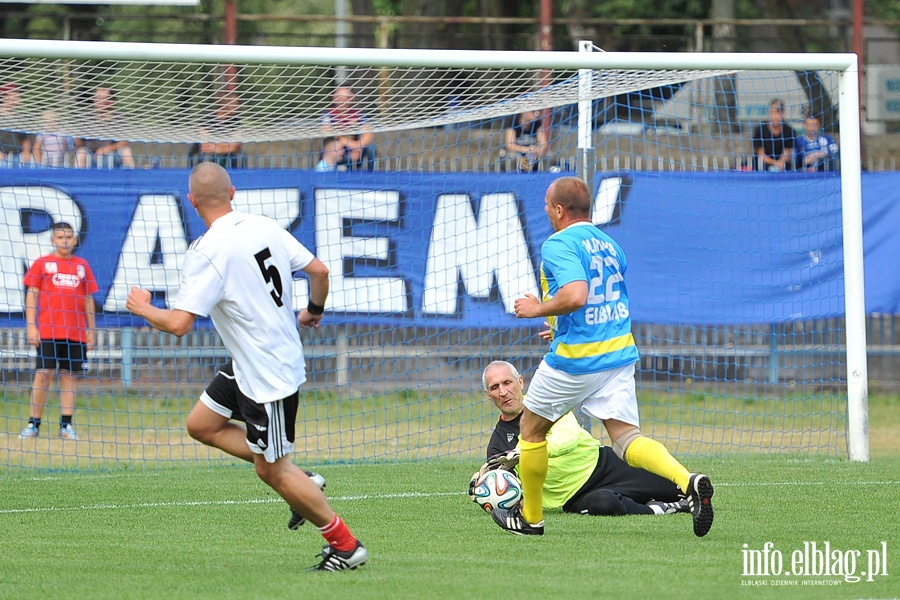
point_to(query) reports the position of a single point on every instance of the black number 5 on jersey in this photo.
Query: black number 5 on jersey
(270, 274)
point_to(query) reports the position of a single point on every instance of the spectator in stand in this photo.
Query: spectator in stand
(49, 147)
(225, 122)
(342, 118)
(527, 141)
(773, 141)
(108, 153)
(815, 150)
(15, 146)
(332, 154)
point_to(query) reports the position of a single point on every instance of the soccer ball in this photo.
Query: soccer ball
(498, 489)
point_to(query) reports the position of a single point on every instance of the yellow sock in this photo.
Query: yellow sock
(648, 454)
(533, 472)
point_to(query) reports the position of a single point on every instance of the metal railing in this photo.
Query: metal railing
(803, 352)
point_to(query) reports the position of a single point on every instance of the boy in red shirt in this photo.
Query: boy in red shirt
(59, 312)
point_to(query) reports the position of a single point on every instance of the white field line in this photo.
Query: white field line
(92, 507)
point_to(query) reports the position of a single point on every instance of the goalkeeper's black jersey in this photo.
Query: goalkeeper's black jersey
(504, 438)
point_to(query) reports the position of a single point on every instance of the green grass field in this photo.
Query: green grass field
(218, 532)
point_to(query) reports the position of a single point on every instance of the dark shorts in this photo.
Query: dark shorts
(270, 425)
(614, 475)
(62, 354)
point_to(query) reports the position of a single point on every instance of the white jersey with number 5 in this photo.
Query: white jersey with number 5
(239, 273)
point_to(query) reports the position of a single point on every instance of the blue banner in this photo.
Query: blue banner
(457, 249)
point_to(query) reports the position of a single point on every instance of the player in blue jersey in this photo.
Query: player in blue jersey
(591, 359)
(815, 150)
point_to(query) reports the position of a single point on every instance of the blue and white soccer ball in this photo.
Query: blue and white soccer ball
(498, 489)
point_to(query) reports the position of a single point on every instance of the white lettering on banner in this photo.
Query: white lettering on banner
(280, 204)
(20, 249)
(485, 252)
(157, 218)
(477, 250)
(333, 247)
(606, 200)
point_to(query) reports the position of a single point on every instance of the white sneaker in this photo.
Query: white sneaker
(30, 432)
(67, 432)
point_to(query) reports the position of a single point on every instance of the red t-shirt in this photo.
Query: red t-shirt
(62, 284)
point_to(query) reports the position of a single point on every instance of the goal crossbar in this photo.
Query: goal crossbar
(379, 57)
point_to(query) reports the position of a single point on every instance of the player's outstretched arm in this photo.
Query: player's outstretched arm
(174, 321)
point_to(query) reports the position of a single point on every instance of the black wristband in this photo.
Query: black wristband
(314, 309)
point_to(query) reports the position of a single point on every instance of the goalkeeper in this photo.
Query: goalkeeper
(583, 476)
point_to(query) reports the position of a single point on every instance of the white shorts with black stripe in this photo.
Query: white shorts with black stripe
(270, 425)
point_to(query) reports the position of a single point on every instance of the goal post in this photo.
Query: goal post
(430, 248)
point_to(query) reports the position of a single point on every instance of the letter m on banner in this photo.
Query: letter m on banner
(477, 251)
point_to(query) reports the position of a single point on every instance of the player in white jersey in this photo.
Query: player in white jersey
(240, 274)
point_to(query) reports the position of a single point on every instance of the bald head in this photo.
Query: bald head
(210, 187)
(572, 194)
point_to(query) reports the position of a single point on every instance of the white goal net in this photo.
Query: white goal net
(745, 274)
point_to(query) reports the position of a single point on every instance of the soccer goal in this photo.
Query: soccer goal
(421, 187)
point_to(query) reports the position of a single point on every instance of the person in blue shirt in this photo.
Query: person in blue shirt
(815, 150)
(591, 360)
(332, 155)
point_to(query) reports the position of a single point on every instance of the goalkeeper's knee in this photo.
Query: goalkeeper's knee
(620, 446)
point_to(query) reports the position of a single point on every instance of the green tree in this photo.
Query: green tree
(630, 37)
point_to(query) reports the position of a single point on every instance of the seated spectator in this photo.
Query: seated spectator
(15, 146)
(815, 150)
(773, 141)
(49, 147)
(104, 152)
(527, 141)
(343, 116)
(225, 122)
(332, 155)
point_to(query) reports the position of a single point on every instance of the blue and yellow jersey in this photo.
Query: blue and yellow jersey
(597, 336)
